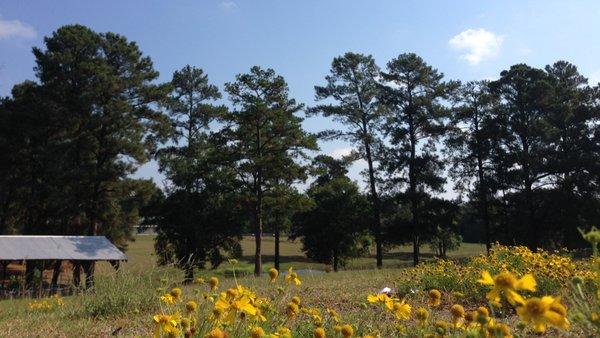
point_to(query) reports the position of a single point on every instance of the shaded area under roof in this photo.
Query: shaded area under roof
(90, 248)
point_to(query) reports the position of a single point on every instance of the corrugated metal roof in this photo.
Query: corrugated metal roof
(97, 248)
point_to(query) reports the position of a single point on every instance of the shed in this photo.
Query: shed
(50, 252)
(81, 248)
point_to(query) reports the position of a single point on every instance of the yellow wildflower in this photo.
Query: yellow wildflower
(319, 332)
(381, 298)
(505, 283)
(334, 315)
(402, 310)
(282, 332)
(470, 317)
(292, 277)
(500, 330)
(543, 312)
(273, 274)
(458, 313)
(296, 300)
(422, 315)
(214, 283)
(216, 333)
(292, 310)
(168, 299)
(435, 297)
(176, 293)
(257, 332)
(347, 331)
(191, 306)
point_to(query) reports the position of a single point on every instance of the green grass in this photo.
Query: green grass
(141, 257)
(125, 302)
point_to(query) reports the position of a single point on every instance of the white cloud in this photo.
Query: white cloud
(15, 28)
(228, 5)
(341, 152)
(479, 44)
(594, 78)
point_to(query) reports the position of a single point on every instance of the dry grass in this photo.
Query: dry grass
(123, 304)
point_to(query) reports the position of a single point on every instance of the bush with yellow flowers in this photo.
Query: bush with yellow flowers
(585, 296)
(46, 304)
(553, 271)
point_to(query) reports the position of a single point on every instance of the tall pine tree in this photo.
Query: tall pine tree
(413, 94)
(352, 83)
(265, 138)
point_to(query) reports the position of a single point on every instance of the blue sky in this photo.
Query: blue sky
(465, 40)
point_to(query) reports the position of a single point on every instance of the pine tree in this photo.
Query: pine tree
(265, 139)
(524, 93)
(413, 94)
(196, 221)
(470, 145)
(352, 83)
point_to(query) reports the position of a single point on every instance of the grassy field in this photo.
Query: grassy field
(124, 303)
(141, 257)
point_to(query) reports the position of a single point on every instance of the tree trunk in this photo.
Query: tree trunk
(335, 262)
(277, 246)
(258, 229)
(416, 250)
(483, 205)
(413, 192)
(376, 206)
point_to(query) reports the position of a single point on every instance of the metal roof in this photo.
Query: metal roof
(96, 248)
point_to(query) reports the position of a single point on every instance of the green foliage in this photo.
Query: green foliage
(413, 93)
(77, 134)
(352, 83)
(265, 140)
(197, 219)
(333, 230)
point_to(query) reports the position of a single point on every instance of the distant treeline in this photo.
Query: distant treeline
(523, 152)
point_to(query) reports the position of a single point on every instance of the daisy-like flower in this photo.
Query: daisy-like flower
(292, 277)
(347, 331)
(458, 314)
(191, 306)
(422, 315)
(176, 293)
(334, 315)
(214, 283)
(435, 297)
(216, 333)
(292, 310)
(500, 330)
(544, 312)
(282, 332)
(257, 332)
(273, 274)
(167, 298)
(319, 332)
(402, 310)
(507, 284)
(381, 298)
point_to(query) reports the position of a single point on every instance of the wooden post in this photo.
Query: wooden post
(88, 269)
(55, 274)
(76, 273)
